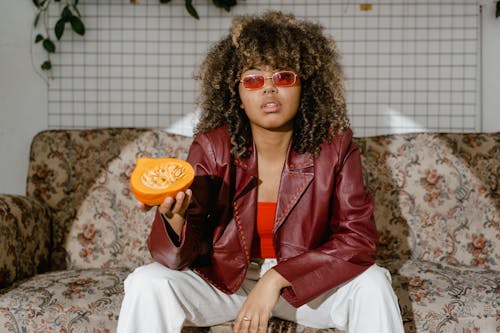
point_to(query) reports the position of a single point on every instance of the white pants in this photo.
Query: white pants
(158, 299)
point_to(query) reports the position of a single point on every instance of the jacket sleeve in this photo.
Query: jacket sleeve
(195, 241)
(351, 246)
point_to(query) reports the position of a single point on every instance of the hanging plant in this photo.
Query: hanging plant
(224, 4)
(70, 15)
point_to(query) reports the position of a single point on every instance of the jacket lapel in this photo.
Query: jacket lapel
(298, 173)
(245, 198)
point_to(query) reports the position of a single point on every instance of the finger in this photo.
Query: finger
(263, 323)
(186, 201)
(179, 200)
(166, 207)
(254, 325)
(189, 195)
(239, 323)
(236, 326)
(143, 206)
(245, 325)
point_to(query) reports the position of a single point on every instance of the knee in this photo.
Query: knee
(146, 277)
(374, 282)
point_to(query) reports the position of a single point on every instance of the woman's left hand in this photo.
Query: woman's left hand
(256, 310)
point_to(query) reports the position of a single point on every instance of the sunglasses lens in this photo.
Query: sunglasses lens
(285, 78)
(253, 81)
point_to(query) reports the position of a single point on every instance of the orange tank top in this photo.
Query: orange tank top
(262, 246)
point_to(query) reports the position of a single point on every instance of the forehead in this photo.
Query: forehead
(260, 68)
(268, 61)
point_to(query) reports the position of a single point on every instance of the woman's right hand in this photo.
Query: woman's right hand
(173, 209)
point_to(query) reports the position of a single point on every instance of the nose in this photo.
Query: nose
(269, 86)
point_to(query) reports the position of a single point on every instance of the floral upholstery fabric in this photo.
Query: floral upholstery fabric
(437, 202)
(83, 177)
(445, 298)
(65, 301)
(441, 191)
(22, 219)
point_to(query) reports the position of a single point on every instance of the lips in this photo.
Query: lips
(271, 106)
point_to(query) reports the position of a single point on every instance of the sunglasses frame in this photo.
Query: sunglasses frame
(270, 77)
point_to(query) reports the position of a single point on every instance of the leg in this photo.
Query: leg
(367, 303)
(158, 299)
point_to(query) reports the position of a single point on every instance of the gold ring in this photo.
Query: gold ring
(245, 318)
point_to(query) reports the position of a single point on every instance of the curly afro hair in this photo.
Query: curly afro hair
(280, 41)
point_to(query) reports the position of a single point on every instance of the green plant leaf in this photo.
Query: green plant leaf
(77, 11)
(47, 65)
(37, 19)
(49, 46)
(77, 25)
(66, 14)
(225, 4)
(75, 3)
(39, 38)
(497, 14)
(191, 10)
(59, 28)
(36, 3)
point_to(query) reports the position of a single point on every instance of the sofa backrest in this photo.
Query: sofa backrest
(437, 196)
(83, 176)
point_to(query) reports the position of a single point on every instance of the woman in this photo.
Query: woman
(277, 221)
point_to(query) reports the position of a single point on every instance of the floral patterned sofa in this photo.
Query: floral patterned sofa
(67, 246)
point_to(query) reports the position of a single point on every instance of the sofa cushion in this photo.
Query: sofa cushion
(65, 301)
(24, 238)
(83, 177)
(437, 196)
(442, 298)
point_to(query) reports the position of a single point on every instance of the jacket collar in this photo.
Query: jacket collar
(298, 173)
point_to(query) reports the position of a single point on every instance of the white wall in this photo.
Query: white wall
(23, 94)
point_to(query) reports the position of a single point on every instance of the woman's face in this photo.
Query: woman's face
(273, 105)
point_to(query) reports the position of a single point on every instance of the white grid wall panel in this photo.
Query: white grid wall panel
(410, 65)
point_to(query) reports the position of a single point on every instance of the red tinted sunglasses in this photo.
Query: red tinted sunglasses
(280, 79)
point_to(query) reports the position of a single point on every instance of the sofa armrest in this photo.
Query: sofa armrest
(25, 228)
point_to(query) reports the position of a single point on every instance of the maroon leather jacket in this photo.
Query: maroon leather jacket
(324, 233)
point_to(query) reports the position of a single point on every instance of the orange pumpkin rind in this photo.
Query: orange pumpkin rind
(154, 179)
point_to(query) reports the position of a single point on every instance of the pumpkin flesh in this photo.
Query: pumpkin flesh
(154, 179)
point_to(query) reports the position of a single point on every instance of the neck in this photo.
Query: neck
(270, 143)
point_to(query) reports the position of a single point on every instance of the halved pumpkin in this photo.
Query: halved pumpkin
(154, 179)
